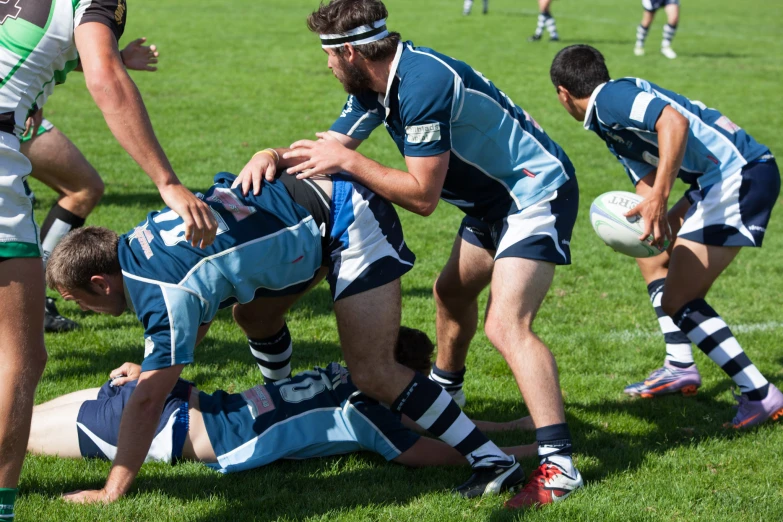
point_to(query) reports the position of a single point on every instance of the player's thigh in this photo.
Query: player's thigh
(53, 431)
(466, 273)
(59, 164)
(693, 269)
(518, 288)
(77, 396)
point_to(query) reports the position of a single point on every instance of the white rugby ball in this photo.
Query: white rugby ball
(617, 231)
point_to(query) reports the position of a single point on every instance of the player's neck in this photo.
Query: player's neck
(379, 73)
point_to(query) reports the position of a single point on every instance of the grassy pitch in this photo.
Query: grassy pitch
(242, 75)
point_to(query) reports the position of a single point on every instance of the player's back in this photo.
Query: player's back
(315, 413)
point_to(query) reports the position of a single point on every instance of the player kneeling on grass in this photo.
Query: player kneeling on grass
(268, 252)
(659, 135)
(315, 413)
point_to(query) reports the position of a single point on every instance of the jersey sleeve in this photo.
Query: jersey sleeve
(623, 104)
(171, 317)
(635, 170)
(111, 13)
(426, 102)
(358, 119)
(377, 429)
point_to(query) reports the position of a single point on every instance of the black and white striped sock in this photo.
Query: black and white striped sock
(707, 330)
(668, 35)
(450, 381)
(273, 355)
(678, 346)
(641, 35)
(540, 24)
(551, 26)
(432, 408)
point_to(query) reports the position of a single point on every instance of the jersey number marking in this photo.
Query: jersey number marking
(9, 9)
(305, 389)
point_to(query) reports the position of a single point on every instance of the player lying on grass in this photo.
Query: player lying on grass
(60, 165)
(315, 413)
(268, 252)
(658, 136)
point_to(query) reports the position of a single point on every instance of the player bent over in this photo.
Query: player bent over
(59, 164)
(464, 141)
(659, 135)
(672, 8)
(268, 252)
(316, 413)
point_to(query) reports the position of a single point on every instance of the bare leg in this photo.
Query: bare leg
(78, 396)
(53, 430)
(22, 359)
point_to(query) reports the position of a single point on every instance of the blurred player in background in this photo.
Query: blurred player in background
(658, 136)
(468, 5)
(464, 141)
(672, 8)
(40, 42)
(315, 413)
(60, 165)
(545, 19)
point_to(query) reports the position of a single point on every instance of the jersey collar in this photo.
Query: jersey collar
(128, 300)
(392, 75)
(591, 105)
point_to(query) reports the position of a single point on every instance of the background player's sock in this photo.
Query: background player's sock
(273, 355)
(57, 223)
(668, 35)
(432, 408)
(707, 330)
(551, 27)
(678, 346)
(486, 7)
(540, 25)
(641, 35)
(467, 6)
(554, 444)
(450, 381)
(7, 500)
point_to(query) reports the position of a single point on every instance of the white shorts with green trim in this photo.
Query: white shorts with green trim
(18, 231)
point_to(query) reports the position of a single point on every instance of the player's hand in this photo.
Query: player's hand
(124, 374)
(323, 157)
(88, 496)
(653, 210)
(32, 123)
(139, 57)
(200, 224)
(524, 424)
(261, 167)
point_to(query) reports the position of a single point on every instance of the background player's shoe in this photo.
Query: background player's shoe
(53, 321)
(491, 480)
(751, 413)
(669, 379)
(534, 38)
(668, 52)
(554, 38)
(638, 50)
(549, 483)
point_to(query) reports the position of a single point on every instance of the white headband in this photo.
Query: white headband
(361, 35)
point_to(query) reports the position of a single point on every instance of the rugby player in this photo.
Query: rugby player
(467, 6)
(313, 414)
(40, 42)
(268, 251)
(545, 19)
(59, 164)
(672, 8)
(466, 142)
(658, 136)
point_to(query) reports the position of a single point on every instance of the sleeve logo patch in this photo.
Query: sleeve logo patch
(640, 104)
(426, 133)
(149, 346)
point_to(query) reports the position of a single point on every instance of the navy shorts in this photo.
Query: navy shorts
(98, 423)
(736, 210)
(654, 5)
(542, 231)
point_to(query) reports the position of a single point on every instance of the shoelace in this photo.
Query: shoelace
(541, 475)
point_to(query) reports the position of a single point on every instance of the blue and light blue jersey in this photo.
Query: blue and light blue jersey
(624, 113)
(313, 414)
(266, 245)
(501, 160)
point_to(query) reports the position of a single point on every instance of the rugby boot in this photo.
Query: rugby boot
(549, 483)
(668, 379)
(750, 413)
(492, 479)
(54, 322)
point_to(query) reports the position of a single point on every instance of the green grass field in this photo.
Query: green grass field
(236, 77)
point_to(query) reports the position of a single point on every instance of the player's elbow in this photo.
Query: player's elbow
(425, 207)
(107, 89)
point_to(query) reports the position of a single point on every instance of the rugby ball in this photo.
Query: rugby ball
(617, 231)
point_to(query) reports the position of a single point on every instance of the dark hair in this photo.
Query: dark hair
(339, 16)
(81, 254)
(580, 69)
(414, 350)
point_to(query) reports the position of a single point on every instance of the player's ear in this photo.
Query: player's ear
(349, 52)
(100, 284)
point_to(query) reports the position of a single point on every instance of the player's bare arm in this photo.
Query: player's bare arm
(137, 430)
(123, 109)
(672, 129)
(417, 190)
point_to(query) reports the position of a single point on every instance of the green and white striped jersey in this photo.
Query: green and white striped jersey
(37, 49)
